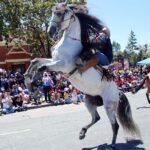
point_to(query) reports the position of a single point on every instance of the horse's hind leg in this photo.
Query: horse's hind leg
(111, 112)
(147, 95)
(93, 111)
(115, 128)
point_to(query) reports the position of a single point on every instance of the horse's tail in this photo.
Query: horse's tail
(125, 116)
(137, 88)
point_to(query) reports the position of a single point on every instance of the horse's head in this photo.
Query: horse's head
(61, 17)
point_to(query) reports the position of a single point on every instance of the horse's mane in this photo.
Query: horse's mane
(90, 25)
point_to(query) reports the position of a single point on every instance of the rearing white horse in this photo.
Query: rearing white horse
(64, 55)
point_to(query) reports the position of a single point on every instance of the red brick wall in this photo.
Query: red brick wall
(4, 55)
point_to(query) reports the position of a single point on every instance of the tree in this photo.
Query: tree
(79, 1)
(118, 56)
(116, 47)
(28, 21)
(132, 41)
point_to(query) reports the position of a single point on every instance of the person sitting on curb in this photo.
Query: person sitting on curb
(7, 103)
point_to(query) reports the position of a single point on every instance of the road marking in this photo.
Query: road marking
(15, 132)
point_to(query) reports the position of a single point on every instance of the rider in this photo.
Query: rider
(104, 55)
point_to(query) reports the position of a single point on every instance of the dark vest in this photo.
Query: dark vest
(107, 49)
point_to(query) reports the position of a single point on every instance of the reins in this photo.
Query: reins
(59, 22)
(78, 39)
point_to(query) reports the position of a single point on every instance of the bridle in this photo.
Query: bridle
(59, 22)
(62, 19)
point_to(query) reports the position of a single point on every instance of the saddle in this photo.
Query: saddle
(106, 75)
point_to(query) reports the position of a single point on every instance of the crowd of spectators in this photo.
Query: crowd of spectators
(58, 90)
(13, 94)
(54, 88)
(127, 79)
(51, 87)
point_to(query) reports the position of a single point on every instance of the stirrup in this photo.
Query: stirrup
(105, 67)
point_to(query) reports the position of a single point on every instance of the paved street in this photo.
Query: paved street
(57, 128)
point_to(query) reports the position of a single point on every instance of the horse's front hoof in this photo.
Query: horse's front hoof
(41, 69)
(113, 147)
(110, 148)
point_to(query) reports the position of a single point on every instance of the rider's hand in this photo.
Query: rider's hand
(82, 69)
(101, 37)
(106, 31)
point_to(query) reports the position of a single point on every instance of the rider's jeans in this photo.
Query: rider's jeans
(102, 58)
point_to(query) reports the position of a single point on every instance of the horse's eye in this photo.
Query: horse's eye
(58, 14)
(66, 10)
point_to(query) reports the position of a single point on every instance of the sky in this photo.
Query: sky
(122, 16)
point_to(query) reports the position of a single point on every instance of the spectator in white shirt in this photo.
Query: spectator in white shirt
(47, 83)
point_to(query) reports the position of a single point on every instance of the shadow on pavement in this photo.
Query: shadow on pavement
(129, 145)
(143, 107)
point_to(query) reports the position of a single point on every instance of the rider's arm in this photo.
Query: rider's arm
(103, 35)
(106, 31)
(90, 63)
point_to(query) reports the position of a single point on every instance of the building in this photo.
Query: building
(14, 57)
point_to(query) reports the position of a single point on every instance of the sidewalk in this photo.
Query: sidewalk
(42, 104)
(35, 106)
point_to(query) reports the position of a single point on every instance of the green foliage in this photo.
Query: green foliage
(116, 47)
(133, 57)
(118, 55)
(27, 20)
(77, 1)
(132, 41)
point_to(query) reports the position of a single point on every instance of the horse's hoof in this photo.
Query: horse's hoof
(82, 133)
(110, 148)
(113, 147)
(34, 61)
(81, 137)
(41, 69)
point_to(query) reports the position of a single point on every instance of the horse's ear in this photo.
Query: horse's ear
(57, 1)
(65, 3)
(73, 7)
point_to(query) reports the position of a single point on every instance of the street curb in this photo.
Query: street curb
(38, 106)
(41, 106)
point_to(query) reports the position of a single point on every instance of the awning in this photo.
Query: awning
(144, 62)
